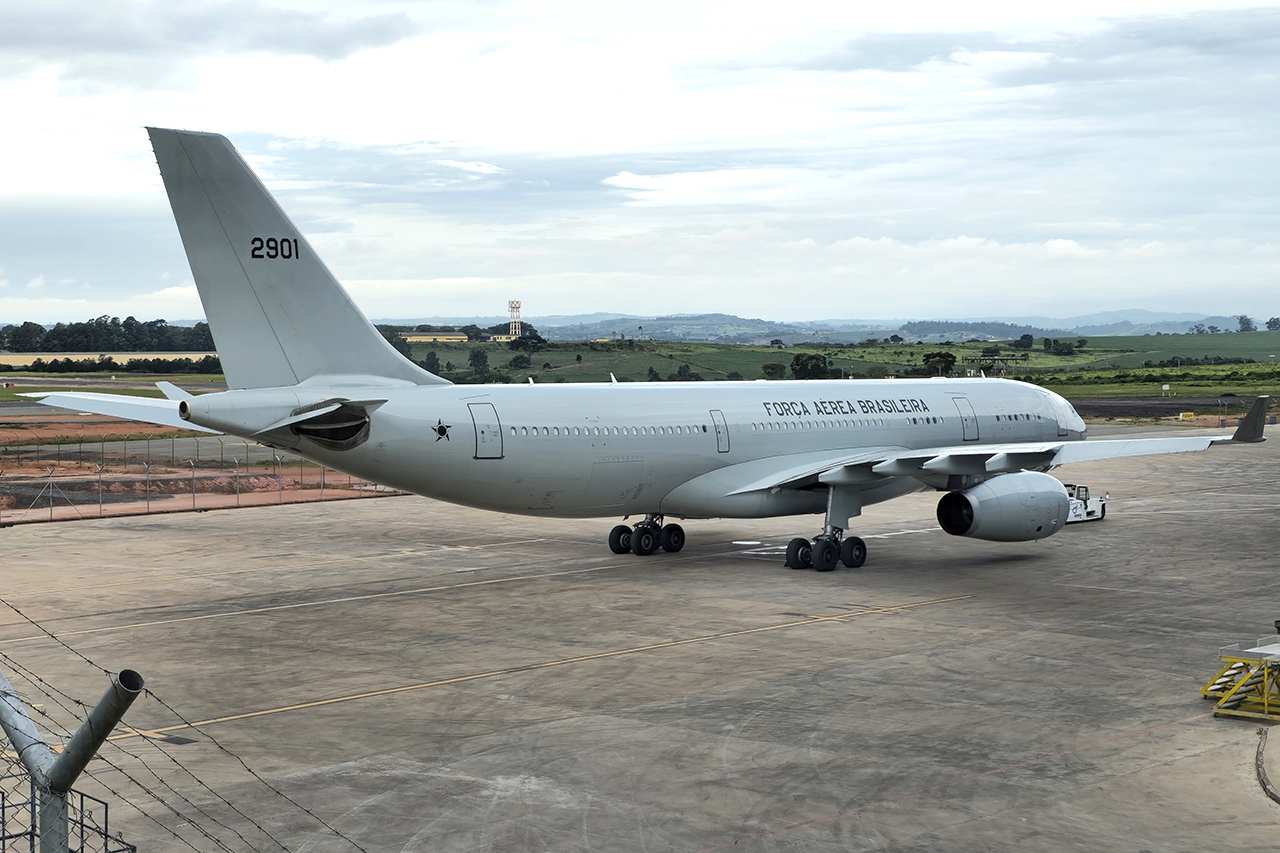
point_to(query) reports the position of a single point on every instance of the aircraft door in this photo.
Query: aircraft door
(722, 431)
(488, 430)
(967, 418)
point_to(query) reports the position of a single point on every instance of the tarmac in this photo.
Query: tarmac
(417, 676)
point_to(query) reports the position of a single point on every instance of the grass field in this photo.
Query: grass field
(1104, 367)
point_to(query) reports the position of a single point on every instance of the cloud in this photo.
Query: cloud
(175, 303)
(122, 40)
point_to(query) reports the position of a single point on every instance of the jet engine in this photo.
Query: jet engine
(1009, 508)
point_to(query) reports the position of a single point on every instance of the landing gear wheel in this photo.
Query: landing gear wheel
(799, 554)
(853, 552)
(620, 539)
(671, 538)
(644, 541)
(825, 555)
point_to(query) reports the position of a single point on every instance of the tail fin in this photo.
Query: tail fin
(277, 314)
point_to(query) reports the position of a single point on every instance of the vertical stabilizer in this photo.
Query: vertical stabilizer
(278, 316)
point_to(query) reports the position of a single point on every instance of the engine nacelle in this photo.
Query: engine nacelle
(1009, 508)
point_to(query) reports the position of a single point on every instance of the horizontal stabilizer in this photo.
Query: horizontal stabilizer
(173, 392)
(147, 410)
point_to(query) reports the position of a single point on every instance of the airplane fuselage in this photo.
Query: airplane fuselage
(581, 450)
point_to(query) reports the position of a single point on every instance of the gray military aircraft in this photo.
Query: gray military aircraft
(308, 372)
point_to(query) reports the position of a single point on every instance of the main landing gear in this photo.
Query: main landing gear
(831, 546)
(825, 551)
(646, 537)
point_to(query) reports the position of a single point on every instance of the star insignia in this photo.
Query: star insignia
(441, 429)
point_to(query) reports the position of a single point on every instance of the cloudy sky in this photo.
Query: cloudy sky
(798, 160)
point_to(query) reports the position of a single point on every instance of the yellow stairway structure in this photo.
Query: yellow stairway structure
(1248, 684)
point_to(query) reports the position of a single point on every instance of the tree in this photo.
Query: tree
(895, 339)
(29, 337)
(734, 376)
(431, 362)
(529, 341)
(1080, 342)
(1246, 323)
(1213, 330)
(777, 342)
(393, 336)
(579, 358)
(993, 350)
(1024, 342)
(1197, 329)
(809, 366)
(654, 376)
(942, 362)
(520, 361)
(1048, 344)
(684, 374)
(1273, 325)
(773, 370)
(479, 361)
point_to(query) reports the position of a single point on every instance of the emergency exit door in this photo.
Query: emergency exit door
(967, 418)
(488, 430)
(722, 431)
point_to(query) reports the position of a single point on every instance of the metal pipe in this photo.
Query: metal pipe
(125, 687)
(31, 748)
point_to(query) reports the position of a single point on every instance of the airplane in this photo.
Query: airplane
(307, 372)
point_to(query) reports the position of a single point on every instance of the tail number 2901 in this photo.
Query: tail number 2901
(272, 248)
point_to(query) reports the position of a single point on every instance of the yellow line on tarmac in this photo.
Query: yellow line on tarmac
(278, 607)
(310, 564)
(533, 667)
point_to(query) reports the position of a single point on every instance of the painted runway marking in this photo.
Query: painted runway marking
(534, 667)
(310, 564)
(301, 604)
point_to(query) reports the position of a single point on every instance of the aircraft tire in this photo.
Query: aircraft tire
(825, 555)
(620, 539)
(853, 552)
(799, 554)
(671, 538)
(644, 541)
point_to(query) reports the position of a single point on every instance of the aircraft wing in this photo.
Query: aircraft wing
(145, 409)
(874, 465)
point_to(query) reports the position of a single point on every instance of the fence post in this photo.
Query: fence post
(100, 467)
(147, 467)
(193, 483)
(237, 480)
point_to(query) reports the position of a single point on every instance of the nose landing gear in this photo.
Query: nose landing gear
(646, 537)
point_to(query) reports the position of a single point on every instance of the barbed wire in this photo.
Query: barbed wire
(218, 744)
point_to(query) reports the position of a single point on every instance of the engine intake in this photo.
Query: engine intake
(1009, 508)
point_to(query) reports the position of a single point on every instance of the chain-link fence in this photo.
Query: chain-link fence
(68, 477)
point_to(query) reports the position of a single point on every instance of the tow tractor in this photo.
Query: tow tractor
(1084, 506)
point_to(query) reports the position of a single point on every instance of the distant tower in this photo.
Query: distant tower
(513, 309)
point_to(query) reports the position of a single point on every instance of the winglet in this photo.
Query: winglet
(1250, 429)
(613, 380)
